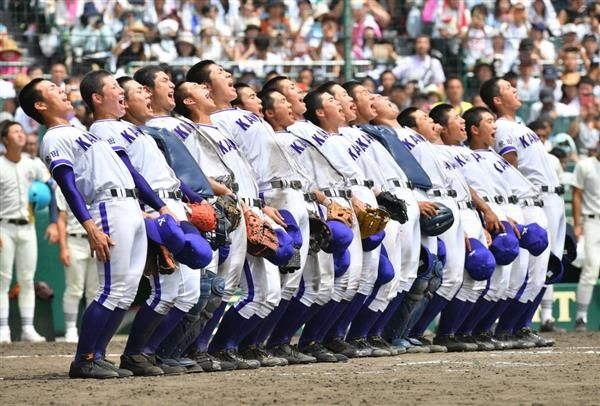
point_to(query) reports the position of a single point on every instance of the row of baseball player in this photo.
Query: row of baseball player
(288, 158)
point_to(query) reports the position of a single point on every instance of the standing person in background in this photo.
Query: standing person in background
(586, 219)
(18, 241)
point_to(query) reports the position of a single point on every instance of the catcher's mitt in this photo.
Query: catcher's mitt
(320, 234)
(372, 221)
(335, 211)
(159, 260)
(229, 206)
(262, 240)
(203, 216)
(396, 207)
(293, 264)
(220, 236)
(439, 223)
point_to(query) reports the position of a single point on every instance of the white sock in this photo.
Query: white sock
(546, 310)
(584, 298)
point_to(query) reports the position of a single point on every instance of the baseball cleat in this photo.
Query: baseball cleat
(481, 345)
(425, 345)
(486, 337)
(261, 355)
(189, 364)
(453, 344)
(381, 343)
(339, 346)
(140, 365)
(530, 335)
(123, 373)
(169, 367)
(580, 326)
(322, 354)
(549, 327)
(28, 334)
(291, 354)
(233, 357)
(90, 369)
(514, 342)
(361, 343)
(208, 363)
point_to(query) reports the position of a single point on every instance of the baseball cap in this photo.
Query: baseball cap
(479, 261)
(385, 270)
(533, 238)
(285, 248)
(373, 241)
(550, 72)
(505, 245)
(292, 228)
(341, 263)
(224, 251)
(441, 251)
(164, 230)
(570, 250)
(341, 237)
(546, 95)
(538, 26)
(426, 261)
(196, 252)
(555, 270)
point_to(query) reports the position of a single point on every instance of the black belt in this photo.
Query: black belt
(440, 192)
(310, 197)
(559, 190)
(513, 199)
(532, 202)
(466, 205)
(253, 202)
(133, 193)
(75, 235)
(399, 183)
(591, 216)
(331, 192)
(281, 184)
(495, 199)
(18, 222)
(367, 183)
(165, 194)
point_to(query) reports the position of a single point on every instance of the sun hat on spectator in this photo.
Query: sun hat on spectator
(90, 10)
(274, 3)
(571, 79)
(185, 37)
(320, 10)
(550, 72)
(569, 29)
(167, 27)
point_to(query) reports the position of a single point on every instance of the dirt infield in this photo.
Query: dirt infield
(566, 374)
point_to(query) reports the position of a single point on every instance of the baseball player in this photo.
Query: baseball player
(522, 148)
(586, 219)
(90, 173)
(81, 278)
(18, 241)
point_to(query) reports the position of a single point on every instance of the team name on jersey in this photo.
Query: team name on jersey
(528, 138)
(319, 136)
(412, 140)
(298, 146)
(359, 146)
(226, 145)
(131, 134)
(87, 140)
(501, 165)
(183, 130)
(247, 120)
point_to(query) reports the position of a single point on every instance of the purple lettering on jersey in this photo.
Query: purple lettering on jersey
(352, 154)
(501, 165)
(524, 143)
(361, 144)
(131, 134)
(416, 138)
(241, 124)
(226, 145)
(478, 157)
(407, 144)
(297, 147)
(83, 144)
(320, 141)
(182, 131)
(460, 159)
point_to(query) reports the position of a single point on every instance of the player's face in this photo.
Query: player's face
(455, 133)
(138, 101)
(294, 96)
(55, 100)
(487, 130)
(112, 98)
(282, 110)
(332, 109)
(164, 91)
(425, 125)
(384, 108)
(200, 93)
(15, 138)
(508, 96)
(31, 144)
(221, 83)
(347, 103)
(250, 101)
(364, 102)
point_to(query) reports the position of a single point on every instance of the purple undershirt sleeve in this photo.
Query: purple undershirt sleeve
(189, 193)
(65, 178)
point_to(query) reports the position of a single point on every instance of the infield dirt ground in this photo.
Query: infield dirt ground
(567, 374)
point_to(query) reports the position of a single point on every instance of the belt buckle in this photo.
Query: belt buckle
(346, 193)
(452, 193)
(369, 183)
(235, 187)
(296, 184)
(310, 197)
(498, 199)
(513, 199)
(437, 193)
(560, 190)
(327, 192)
(410, 185)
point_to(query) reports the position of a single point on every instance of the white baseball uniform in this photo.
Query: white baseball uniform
(98, 170)
(19, 241)
(181, 288)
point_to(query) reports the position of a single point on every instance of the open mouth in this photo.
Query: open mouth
(122, 101)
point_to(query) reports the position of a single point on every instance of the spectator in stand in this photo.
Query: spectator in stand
(58, 74)
(528, 86)
(164, 50)
(386, 82)
(588, 127)
(91, 35)
(132, 45)
(191, 15)
(247, 47)
(501, 59)
(542, 12)
(421, 66)
(570, 60)
(365, 14)
(276, 22)
(543, 129)
(451, 24)
(399, 96)
(306, 79)
(262, 59)
(543, 48)
(574, 13)
(248, 16)
(323, 41)
(159, 10)
(186, 48)
(455, 94)
(302, 26)
(586, 222)
(585, 95)
(516, 29)
(478, 37)
(550, 80)
(547, 108)
(213, 44)
(502, 13)
(589, 52)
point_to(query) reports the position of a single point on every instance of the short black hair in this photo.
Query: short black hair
(179, 96)
(274, 83)
(327, 86)
(406, 118)
(90, 84)
(571, 49)
(510, 75)
(439, 114)
(473, 117)
(239, 86)
(122, 81)
(452, 77)
(313, 101)
(200, 73)
(350, 86)
(147, 74)
(266, 96)
(30, 95)
(558, 152)
(5, 126)
(539, 124)
(490, 89)
(586, 80)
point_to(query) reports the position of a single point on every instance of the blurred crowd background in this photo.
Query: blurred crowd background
(416, 52)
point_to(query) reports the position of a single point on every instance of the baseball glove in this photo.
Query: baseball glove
(439, 223)
(395, 206)
(203, 216)
(262, 240)
(220, 235)
(293, 264)
(320, 234)
(159, 260)
(335, 211)
(229, 206)
(372, 220)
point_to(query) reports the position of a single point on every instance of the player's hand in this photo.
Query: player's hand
(274, 214)
(577, 230)
(467, 243)
(52, 233)
(358, 205)
(514, 227)
(100, 243)
(488, 237)
(65, 257)
(166, 210)
(492, 222)
(428, 209)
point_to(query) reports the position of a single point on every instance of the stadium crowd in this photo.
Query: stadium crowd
(417, 53)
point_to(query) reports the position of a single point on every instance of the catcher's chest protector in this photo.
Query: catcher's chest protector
(180, 160)
(405, 160)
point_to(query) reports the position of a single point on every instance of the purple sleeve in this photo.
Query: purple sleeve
(189, 194)
(147, 195)
(65, 178)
